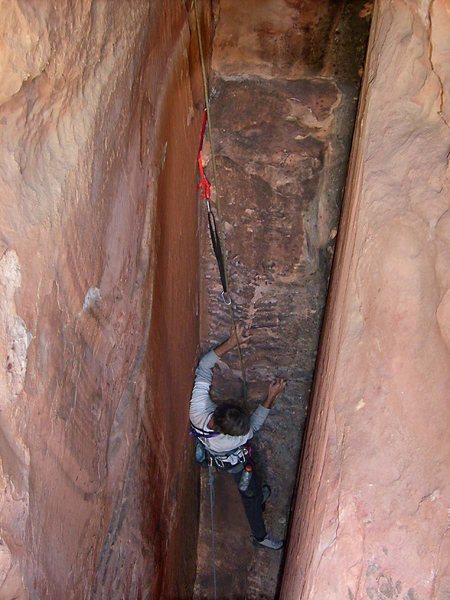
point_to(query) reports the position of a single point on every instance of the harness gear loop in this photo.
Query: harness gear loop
(217, 238)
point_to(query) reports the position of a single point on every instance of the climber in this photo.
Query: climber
(223, 430)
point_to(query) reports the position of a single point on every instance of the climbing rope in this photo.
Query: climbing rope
(217, 236)
(213, 530)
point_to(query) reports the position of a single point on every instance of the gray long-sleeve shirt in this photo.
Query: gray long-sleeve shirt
(202, 408)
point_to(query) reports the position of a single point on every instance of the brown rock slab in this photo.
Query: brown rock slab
(371, 519)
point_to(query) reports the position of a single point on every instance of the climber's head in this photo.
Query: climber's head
(230, 419)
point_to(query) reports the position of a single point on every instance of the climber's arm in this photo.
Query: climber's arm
(275, 389)
(237, 334)
(201, 403)
(262, 412)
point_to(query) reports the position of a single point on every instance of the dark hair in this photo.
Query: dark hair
(231, 420)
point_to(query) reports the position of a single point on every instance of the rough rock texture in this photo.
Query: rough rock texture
(98, 277)
(372, 516)
(283, 119)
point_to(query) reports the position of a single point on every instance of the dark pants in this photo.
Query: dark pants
(252, 500)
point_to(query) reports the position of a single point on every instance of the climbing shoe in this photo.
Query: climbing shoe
(269, 542)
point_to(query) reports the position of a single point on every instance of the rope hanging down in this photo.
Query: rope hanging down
(213, 526)
(216, 237)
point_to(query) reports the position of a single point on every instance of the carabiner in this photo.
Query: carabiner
(226, 298)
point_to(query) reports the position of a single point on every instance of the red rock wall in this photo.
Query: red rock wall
(371, 519)
(98, 273)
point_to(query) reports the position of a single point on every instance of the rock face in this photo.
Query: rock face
(283, 119)
(371, 519)
(98, 276)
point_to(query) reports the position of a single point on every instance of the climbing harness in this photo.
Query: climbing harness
(234, 460)
(223, 461)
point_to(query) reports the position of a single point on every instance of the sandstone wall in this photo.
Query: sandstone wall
(98, 275)
(372, 516)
